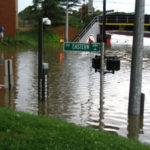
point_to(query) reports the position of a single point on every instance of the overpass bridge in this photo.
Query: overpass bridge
(113, 22)
(123, 22)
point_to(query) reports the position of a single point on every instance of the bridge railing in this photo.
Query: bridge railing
(123, 19)
(86, 28)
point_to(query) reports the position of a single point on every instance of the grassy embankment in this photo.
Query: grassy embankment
(30, 38)
(20, 131)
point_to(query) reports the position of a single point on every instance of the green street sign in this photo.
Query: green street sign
(82, 47)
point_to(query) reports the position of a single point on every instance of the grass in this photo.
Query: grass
(30, 38)
(20, 131)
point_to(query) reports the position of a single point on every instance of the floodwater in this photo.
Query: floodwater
(74, 88)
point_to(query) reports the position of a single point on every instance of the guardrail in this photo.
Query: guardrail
(85, 29)
(123, 19)
(110, 19)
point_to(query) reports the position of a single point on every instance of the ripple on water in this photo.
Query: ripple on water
(74, 92)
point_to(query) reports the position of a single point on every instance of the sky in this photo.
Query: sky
(116, 5)
(23, 4)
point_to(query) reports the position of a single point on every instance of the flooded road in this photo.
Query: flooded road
(74, 92)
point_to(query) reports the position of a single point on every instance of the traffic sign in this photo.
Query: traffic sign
(84, 47)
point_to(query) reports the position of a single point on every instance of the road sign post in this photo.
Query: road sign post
(82, 47)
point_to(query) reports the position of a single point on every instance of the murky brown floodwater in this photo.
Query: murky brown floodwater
(74, 89)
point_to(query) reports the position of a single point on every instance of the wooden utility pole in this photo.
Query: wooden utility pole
(137, 60)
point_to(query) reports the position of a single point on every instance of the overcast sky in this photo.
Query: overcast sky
(116, 5)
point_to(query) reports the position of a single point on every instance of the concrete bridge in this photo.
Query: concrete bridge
(113, 22)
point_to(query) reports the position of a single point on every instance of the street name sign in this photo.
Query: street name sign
(82, 47)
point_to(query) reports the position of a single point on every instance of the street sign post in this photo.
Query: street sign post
(82, 47)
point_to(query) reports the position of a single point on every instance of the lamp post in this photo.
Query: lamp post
(46, 21)
(67, 22)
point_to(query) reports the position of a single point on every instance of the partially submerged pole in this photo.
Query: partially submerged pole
(45, 81)
(102, 73)
(137, 60)
(102, 64)
(40, 56)
(9, 83)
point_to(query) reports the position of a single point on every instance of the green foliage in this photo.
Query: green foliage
(121, 13)
(53, 9)
(97, 13)
(75, 20)
(20, 131)
(31, 37)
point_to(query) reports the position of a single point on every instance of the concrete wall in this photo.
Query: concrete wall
(93, 31)
(8, 19)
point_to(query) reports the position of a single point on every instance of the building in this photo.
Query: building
(8, 16)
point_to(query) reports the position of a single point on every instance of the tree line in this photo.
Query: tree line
(53, 9)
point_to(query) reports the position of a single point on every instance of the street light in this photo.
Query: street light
(67, 20)
(45, 21)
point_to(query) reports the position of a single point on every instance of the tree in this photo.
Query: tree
(54, 9)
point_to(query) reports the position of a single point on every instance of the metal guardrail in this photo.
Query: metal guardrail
(123, 19)
(84, 30)
(109, 19)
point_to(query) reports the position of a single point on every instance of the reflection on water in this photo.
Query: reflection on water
(74, 89)
(136, 123)
(26, 97)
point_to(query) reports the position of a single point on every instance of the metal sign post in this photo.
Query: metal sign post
(9, 82)
(83, 47)
(102, 73)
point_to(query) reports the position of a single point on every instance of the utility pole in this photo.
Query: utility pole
(104, 21)
(102, 53)
(137, 60)
(67, 21)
